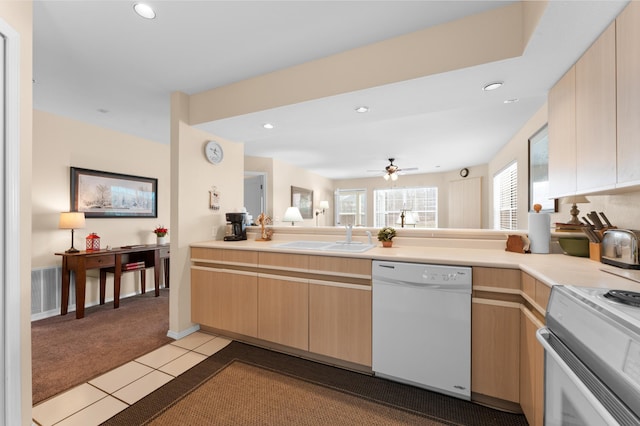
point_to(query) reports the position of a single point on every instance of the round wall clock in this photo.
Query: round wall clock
(464, 172)
(213, 152)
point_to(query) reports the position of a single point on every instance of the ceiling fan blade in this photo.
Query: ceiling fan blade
(408, 169)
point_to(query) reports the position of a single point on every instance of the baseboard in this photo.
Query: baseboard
(177, 335)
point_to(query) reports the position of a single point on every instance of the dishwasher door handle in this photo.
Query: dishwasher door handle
(453, 287)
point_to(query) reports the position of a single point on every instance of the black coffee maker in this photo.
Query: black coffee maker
(236, 229)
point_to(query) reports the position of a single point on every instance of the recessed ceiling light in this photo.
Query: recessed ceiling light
(267, 126)
(362, 109)
(492, 86)
(511, 101)
(144, 10)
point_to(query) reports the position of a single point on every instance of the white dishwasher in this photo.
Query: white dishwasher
(422, 325)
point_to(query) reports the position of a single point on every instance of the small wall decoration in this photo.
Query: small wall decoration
(303, 200)
(214, 199)
(104, 194)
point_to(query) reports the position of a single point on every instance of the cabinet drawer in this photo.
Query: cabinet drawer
(346, 266)
(496, 277)
(536, 290)
(284, 261)
(100, 261)
(237, 257)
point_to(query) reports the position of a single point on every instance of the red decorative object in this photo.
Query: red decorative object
(93, 242)
(387, 244)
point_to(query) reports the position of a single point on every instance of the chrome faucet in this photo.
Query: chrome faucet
(369, 236)
(349, 232)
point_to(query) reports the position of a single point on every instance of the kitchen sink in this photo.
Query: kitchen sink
(354, 247)
(349, 247)
(305, 245)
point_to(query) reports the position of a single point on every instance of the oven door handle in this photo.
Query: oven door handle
(543, 335)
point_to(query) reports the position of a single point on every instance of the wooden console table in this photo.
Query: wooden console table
(109, 261)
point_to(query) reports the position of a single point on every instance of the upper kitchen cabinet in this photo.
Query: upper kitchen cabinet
(628, 70)
(562, 136)
(596, 115)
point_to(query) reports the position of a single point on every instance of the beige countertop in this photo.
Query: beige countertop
(551, 269)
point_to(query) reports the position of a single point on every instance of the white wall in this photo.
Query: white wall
(280, 177)
(191, 219)
(60, 143)
(439, 180)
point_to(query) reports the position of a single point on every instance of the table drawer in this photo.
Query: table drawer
(99, 261)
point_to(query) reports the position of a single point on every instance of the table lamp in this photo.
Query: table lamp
(292, 215)
(575, 199)
(71, 220)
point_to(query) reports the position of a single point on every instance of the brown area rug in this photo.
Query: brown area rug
(67, 351)
(270, 400)
(249, 395)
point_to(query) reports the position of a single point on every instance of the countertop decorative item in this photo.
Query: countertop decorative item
(386, 235)
(265, 234)
(161, 234)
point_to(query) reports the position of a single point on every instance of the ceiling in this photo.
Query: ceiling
(98, 62)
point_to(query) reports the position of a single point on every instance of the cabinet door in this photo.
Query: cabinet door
(225, 299)
(531, 370)
(562, 136)
(628, 70)
(340, 321)
(465, 203)
(596, 114)
(283, 311)
(495, 342)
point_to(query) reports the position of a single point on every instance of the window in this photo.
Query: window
(419, 204)
(505, 198)
(351, 207)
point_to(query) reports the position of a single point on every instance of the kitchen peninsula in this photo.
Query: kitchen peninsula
(317, 304)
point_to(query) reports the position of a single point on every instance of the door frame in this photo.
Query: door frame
(10, 305)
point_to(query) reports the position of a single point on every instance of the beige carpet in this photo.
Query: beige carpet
(67, 351)
(244, 394)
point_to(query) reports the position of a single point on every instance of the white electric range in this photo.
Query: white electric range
(592, 357)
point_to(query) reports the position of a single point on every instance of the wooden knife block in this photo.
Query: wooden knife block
(595, 251)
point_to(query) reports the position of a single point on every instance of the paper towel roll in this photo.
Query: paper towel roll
(539, 232)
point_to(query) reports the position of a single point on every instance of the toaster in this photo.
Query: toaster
(620, 248)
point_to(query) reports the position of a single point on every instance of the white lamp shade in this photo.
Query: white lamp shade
(71, 220)
(323, 205)
(575, 199)
(292, 215)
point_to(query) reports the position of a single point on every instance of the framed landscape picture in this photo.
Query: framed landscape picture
(105, 194)
(303, 200)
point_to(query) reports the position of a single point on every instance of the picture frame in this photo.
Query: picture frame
(538, 149)
(303, 200)
(100, 194)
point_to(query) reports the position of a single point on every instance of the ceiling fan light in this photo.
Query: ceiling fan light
(394, 176)
(386, 176)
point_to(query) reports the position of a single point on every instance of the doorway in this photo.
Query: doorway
(254, 193)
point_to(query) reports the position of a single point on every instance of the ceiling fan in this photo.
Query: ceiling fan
(391, 171)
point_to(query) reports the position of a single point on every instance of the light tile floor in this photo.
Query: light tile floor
(103, 397)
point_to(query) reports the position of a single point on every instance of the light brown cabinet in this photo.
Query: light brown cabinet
(596, 114)
(593, 113)
(628, 94)
(225, 299)
(562, 135)
(507, 360)
(340, 321)
(495, 337)
(495, 360)
(317, 304)
(531, 369)
(283, 311)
